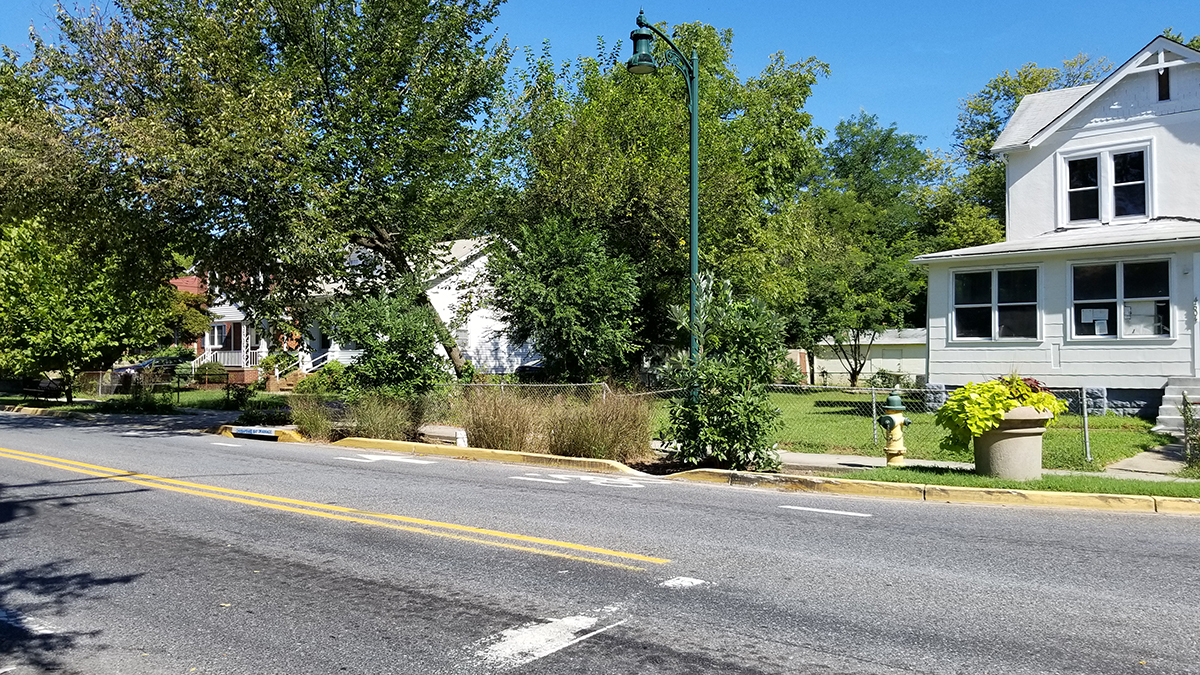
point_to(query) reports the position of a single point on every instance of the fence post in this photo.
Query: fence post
(874, 416)
(1087, 439)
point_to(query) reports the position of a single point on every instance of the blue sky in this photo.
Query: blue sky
(909, 63)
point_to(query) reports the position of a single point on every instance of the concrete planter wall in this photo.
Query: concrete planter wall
(1013, 450)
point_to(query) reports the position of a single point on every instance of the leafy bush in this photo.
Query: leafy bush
(725, 418)
(790, 372)
(886, 379)
(211, 372)
(398, 337)
(499, 420)
(237, 395)
(614, 427)
(971, 410)
(332, 378)
(141, 399)
(173, 350)
(313, 419)
(281, 360)
(1191, 430)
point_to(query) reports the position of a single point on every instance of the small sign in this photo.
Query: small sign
(253, 431)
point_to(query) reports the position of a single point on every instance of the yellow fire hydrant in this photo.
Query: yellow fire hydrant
(893, 422)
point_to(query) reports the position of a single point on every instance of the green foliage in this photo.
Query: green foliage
(267, 417)
(284, 361)
(398, 337)
(611, 149)
(71, 305)
(885, 379)
(725, 417)
(141, 399)
(611, 427)
(561, 291)
(189, 317)
(1191, 430)
(790, 372)
(262, 138)
(172, 351)
(332, 378)
(382, 417)
(1194, 43)
(975, 408)
(211, 372)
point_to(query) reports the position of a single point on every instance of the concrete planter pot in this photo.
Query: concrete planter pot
(1013, 450)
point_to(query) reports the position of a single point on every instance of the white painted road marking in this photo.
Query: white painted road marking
(683, 582)
(387, 458)
(604, 481)
(836, 513)
(229, 445)
(528, 642)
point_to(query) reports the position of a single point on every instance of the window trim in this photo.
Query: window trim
(1119, 334)
(952, 324)
(1105, 178)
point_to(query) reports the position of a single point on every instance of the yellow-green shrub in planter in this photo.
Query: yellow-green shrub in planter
(1004, 419)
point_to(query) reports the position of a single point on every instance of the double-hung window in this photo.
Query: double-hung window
(996, 304)
(1122, 299)
(1107, 185)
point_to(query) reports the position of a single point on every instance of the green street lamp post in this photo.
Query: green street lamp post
(641, 63)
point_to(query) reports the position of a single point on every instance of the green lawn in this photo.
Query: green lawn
(840, 422)
(1055, 483)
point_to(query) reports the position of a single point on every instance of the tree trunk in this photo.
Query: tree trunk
(447, 340)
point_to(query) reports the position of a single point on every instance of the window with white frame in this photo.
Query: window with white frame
(220, 332)
(996, 304)
(1107, 185)
(1140, 289)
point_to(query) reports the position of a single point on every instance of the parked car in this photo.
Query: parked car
(158, 364)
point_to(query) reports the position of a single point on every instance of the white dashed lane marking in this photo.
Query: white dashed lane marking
(830, 511)
(229, 445)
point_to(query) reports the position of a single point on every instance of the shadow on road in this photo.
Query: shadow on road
(31, 597)
(148, 426)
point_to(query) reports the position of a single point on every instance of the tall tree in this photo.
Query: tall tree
(610, 148)
(68, 306)
(270, 138)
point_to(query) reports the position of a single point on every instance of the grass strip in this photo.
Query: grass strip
(1049, 482)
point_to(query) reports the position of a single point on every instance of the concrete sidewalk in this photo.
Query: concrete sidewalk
(1158, 464)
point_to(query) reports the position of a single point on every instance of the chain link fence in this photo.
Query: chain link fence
(821, 419)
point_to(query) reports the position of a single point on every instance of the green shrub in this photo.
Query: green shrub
(281, 360)
(499, 420)
(613, 427)
(211, 372)
(790, 372)
(313, 419)
(725, 418)
(886, 379)
(330, 379)
(141, 399)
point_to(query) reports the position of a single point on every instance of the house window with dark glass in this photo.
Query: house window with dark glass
(1122, 299)
(1083, 188)
(996, 304)
(1129, 183)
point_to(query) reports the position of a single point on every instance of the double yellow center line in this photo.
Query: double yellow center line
(476, 535)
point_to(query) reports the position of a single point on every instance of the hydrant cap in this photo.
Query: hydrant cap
(893, 401)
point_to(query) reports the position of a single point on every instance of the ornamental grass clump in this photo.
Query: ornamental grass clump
(974, 409)
(612, 427)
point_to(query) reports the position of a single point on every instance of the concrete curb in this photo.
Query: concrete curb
(48, 412)
(577, 463)
(277, 433)
(945, 493)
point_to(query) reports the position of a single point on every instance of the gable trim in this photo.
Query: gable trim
(1160, 43)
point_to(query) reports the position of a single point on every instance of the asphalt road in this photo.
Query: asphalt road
(240, 556)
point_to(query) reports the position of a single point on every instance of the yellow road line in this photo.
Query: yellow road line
(202, 490)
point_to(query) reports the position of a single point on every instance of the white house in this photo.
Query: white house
(233, 341)
(895, 351)
(1096, 282)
